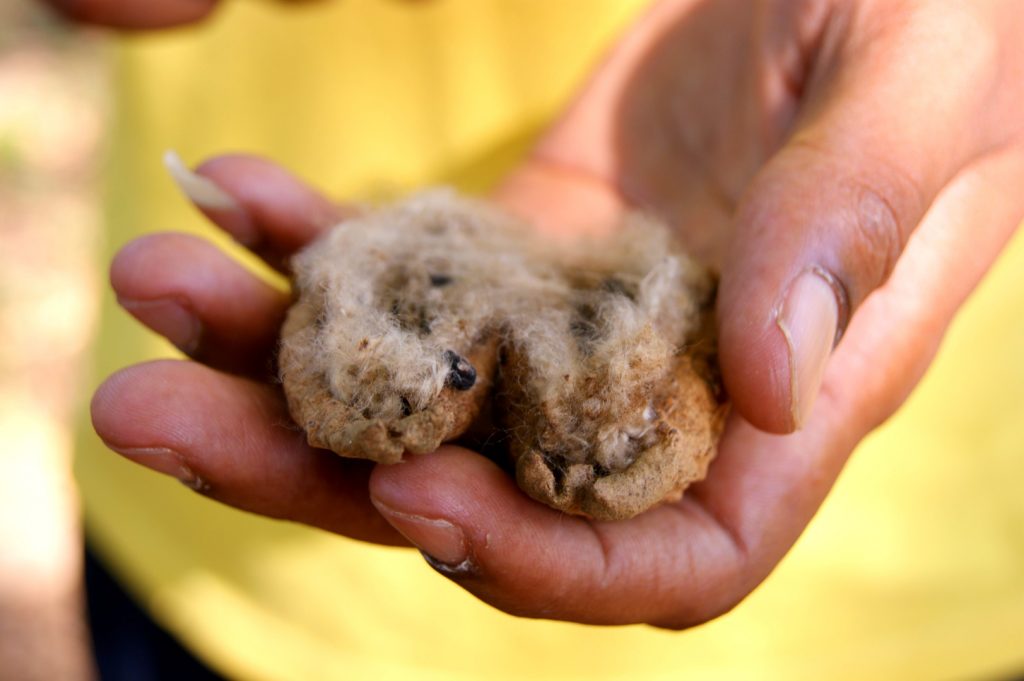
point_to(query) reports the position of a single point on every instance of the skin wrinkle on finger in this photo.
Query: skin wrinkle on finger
(222, 429)
(877, 214)
(237, 313)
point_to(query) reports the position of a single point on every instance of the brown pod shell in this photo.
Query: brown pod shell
(607, 390)
(332, 424)
(690, 418)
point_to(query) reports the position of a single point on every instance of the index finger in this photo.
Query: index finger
(263, 206)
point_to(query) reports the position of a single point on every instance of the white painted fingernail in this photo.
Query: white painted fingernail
(200, 190)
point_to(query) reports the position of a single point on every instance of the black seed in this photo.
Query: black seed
(406, 407)
(440, 280)
(462, 375)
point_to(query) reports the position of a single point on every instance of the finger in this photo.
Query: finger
(476, 527)
(824, 223)
(231, 439)
(766, 488)
(135, 14)
(261, 205)
(897, 331)
(206, 304)
(682, 564)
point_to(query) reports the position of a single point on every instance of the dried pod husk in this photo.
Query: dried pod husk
(390, 345)
(611, 399)
(607, 390)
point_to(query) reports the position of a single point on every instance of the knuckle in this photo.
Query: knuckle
(884, 210)
(874, 240)
(871, 209)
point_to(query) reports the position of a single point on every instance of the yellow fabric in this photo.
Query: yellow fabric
(914, 569)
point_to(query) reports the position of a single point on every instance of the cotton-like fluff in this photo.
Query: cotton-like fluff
(589, 384)
(400, 291)
(598, 349)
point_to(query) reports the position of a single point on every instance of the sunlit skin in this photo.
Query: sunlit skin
(876, 141)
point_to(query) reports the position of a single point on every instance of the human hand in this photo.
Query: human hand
(874, 145)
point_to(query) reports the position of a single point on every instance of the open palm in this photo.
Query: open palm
(772, 137)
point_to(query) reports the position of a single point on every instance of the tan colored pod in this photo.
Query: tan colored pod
(687, 422)
(390, 346)
(607, 388)
(332, 424)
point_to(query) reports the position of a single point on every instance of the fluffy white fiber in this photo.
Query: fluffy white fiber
(597, 349)
(597, 323)
(399, 288)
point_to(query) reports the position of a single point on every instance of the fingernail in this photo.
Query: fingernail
(162, 460)
(808, 320)
(207, 196)
(200, 190)
(443, 544)
(169, 318)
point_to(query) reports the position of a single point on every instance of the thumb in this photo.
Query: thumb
(825, 221)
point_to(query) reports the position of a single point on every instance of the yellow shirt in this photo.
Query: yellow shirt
(913, 569)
